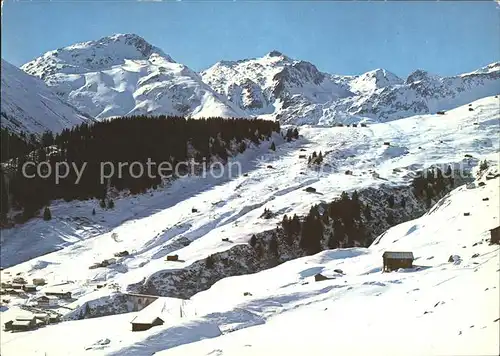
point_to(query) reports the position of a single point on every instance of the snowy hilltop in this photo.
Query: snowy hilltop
(124, 75)
(28, 105)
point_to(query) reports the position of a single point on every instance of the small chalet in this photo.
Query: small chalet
(29, 287)
(45, 301)
(23, 323)
(396, 260)
(6, 285)
(39, 281)
(495, 235)
(54, 319)
(141, 323)
(42, 318)
(8, 325)
(58, 293)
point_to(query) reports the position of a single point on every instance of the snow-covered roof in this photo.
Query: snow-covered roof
(51, 297)
(162, 308)
(145, 319)
(25, 317)
(56, 291)
(398, 255)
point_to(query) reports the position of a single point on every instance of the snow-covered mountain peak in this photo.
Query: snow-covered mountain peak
(123, 74)
(95, 55)
(261, 85)
(277, 56)
(420, 75)
(373, 80)
(120, 41)
(275, 53)
(490, 68)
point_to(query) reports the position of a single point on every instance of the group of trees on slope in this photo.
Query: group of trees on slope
(123, 140)
(342, 222)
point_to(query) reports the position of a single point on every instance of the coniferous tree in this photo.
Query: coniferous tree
(339, 232)
(367, 212)
(403, 202)
(111, 204)
(295, 225)
(168, 140)
(390, 218)
(253, 240)
(209, 261)
(47, 215)
(390, 201)
(312, 232)
(273, 245)
(4, 197)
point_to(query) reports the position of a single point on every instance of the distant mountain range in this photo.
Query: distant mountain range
(125, 75)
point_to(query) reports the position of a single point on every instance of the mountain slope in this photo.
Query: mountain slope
(124, 75)
(421, 93)
(274, 84)
(453, 306)
(295, 92)
(28, 105)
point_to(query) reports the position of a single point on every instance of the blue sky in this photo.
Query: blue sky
(338, 37)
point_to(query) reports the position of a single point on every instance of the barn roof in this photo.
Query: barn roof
(143, 319)
(398, 255)
(22, 322)
(162, 308)
(47, 297)
(25, 317)
(56, 291)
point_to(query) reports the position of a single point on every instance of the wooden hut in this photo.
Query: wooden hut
(319, 277)
(29, 288)
(43, 318)
(46, 301)
(495, 235)
(39, 281)
(396, 260)
(62, 294)
(8, 325)
(141, 323)
(24, 323)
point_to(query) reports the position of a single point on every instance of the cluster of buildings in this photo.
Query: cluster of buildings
(30, 322)
(48, 299)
